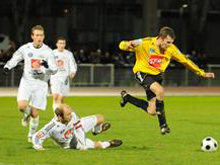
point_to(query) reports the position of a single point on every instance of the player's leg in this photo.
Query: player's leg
(24, 94)
(38, 102)
(125, 98)
(55, 100)
(102, 144)
(159, 91)
(94, 123)
(34, 122)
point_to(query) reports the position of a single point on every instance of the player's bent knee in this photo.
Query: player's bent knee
(100, 118)
(34, 113)
(152, 111)
(22, 106)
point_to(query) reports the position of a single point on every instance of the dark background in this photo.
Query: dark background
(102, 24)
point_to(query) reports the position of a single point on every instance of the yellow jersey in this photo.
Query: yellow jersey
(150, 60)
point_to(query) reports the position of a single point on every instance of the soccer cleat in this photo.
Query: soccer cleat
(164, 129)
(123, 102)
(29, 139)
(115, 143)
(103, 127)
(25, 120)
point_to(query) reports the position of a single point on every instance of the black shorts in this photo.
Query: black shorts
(145, 80)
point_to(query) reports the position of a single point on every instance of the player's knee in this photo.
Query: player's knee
(34, 113)
(100, 118)
(56, 97)
(152, 111)
(22, 106)
(98, 145)
(160, 93)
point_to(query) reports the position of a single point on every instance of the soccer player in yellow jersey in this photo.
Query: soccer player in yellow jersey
(153, 55)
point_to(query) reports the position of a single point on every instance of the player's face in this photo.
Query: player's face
(166, 42)
(67, 114)
(38, 38)
(61, 44)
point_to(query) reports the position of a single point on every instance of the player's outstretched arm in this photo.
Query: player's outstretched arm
(209, 75)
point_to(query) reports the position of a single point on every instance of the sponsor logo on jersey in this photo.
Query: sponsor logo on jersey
(155, 61)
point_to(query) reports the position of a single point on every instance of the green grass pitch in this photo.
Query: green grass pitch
(191, 118)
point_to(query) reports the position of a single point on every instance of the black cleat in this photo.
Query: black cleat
(123, 102)
(164, 129)
(115, 143)
(104, 127)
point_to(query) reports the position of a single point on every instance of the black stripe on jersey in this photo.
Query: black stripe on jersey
(49, 127)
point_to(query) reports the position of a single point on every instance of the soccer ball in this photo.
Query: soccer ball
(209, 144)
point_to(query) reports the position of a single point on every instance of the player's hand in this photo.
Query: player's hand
(71, 75)
(44, 63)
(5, 71)
(209, 75)
(132, 44)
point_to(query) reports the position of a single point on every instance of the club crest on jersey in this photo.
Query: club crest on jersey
(152, 50)
(30, 54)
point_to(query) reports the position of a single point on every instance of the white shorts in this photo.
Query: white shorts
(88, 122)
(34, 91)
(60, 87)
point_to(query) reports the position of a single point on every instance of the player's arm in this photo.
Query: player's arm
(179, 57)
(73, 66)
(81, 138)
(16, 58)
(43, 134)
(130, 45)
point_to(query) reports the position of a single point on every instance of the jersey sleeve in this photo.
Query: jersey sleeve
(72, 63)
(16, 58)
(52, 69)
(181, 58)
(43, 134)
(124, 45)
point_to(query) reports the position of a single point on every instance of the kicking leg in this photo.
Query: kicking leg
(133, 100)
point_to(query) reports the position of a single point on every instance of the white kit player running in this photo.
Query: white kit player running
(68, 131)
(67, 68)
(39, 64)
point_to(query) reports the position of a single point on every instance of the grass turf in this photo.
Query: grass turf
(190, 118)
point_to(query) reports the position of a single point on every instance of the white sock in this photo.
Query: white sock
(34, 122)
(105, 144)
(55, 105)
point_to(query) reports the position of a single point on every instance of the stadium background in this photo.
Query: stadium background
(94, 28)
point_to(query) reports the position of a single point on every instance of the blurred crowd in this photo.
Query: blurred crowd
(99, 56)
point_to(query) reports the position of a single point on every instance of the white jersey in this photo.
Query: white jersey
(66, 65)
(32, 62)
(61, 133)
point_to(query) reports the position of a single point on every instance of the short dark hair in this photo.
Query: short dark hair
(61, 38)
(36, 27)
(166, 31)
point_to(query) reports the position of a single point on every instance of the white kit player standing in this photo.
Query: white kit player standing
(67, 68)
(39, 64)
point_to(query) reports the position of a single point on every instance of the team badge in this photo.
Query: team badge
(30, 54)
(152, 50)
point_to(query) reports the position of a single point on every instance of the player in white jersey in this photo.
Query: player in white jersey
(68, 131)
(67, 68)
(39, 64)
